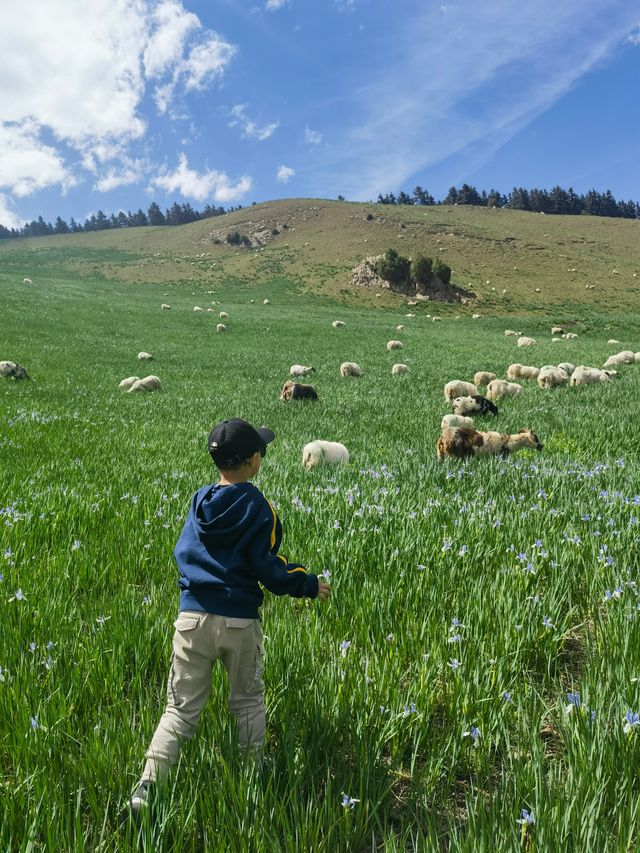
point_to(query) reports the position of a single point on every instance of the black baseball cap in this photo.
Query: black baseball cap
(233, 441)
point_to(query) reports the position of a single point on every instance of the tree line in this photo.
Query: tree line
(556, 200)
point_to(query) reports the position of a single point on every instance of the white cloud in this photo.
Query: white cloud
(7, 216)
(284, 174)
(207, 60)
(312, 137)
(130, 172)
(634, 38)
(200, 186)
(166, 45)
(26, 164)
(250, 130)
(273, 5)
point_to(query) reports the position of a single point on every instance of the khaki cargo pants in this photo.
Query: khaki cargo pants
(199, 640)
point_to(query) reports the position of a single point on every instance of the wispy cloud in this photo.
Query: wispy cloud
(482, 79)
(284, 174)
(274, 5)
(250, 130)
(27, 164)
(202, 185)
(312, 137)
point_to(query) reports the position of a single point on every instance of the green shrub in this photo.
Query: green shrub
(443, 271)
(233, 238)
(395, 268)
(422, 269)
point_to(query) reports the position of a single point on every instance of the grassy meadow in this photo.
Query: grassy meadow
(473, 683)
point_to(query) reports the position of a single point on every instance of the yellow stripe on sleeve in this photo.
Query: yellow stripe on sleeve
(272, 540)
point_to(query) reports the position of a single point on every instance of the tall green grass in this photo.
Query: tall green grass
(469, 599)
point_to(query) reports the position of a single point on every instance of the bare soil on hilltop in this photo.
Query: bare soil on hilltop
(515, 262)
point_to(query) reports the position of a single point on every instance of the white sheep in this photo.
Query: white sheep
(509, 333)
(435, 319)
(324, 452)
(499, 388)
(551, 377)
(613, 341)
(400, 327)
(399, 368)
(223, 315)
(300, 370)
(337, 324)
(197, 308)
(524, 341)
(165, 307)
(350, 368)
(127, 383)
(557, 330)
(589, 375)
(394, 345)
(458, 388)
(9, 369)
(567, 367)
(144, 356)
(522, 371)
(475, 316)
(266, 302)
(637, 356)
(27, 281)
(570, 336)
(483, 377)
(148, 383)
(474, 404)
(221, 327)
(624, 357)
(450, 421)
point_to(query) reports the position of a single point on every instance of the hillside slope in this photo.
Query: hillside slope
(540, 261)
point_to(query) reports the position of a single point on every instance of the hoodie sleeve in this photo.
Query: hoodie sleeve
(272, 569)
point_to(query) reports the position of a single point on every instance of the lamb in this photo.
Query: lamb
(473, 404)
(483, 378)
(300, 370)
(11, 370)
(223, 315)
(499, 388)
(461, 443)
(522, 371)
(394, 345)
(324, 452)
(337, 324)
(399, 368)
(221, 327)
(350, 368)
(524, 341)
(567, 367)
(144, 356)
(450, 421)
(551, 377)
(458, 388)
(297, 391)
(197, 308)
(165, 307)
(589, 375)
(148, 383)
(624, 357)
(128, 382)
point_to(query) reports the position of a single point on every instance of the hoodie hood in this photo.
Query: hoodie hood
(221, 514)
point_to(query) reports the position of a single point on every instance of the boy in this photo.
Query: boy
(229, 543)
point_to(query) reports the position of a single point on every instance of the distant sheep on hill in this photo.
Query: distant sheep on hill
(557, 330)
(221, 327)
(297, 391)
(524, 341)
(394, 345)
(266, 302)
(399, 368)
(458, 388)
(165, 307)
(522, 371)
(324, 453)
(197, 308)
(27, 281)
(350, 368)
(128, 382)
(499, 388)
(145, 356)
(400, 327)
(148, 383)
(11, 370)
(473, 404)
(461, 443)
(570, 336)
(337, 324)
(483, 377)
(223, 315)
(509, 333)
(300, 370)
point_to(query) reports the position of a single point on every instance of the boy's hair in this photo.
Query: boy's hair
(230, 466)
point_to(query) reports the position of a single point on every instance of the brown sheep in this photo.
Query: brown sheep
(297, 391)
(461, 443)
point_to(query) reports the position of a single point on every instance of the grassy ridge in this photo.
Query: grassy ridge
(503, 566)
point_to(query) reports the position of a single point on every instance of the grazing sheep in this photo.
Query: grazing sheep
(266, 302)
(461, 443)
(551, 377)
(557, 330)
(458, 388)
(475, 316)
(483, 378)
(127, 383)
(324, 452)
(337, 324)
(637, 356)
(409, 315)
(524, 341)
(509, 333)
(350, 368)
(223, 315)
(197, 308)
(499, 388)
(400, 327)
(435, 319)
(220, 327)
(556, 340)
(27, 281)
(399, 368)
(297, 391)
(473, 404)
(394, 345)
(11, 370)
(570, 336)
(300, 370)
(145, 356)
(589, 375)
(567, 367)
(613, 341)
(450, 421)
(165, 307)
(624, 357)
(522, 371)
(148, 383)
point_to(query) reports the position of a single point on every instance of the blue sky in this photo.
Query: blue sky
(111, 104)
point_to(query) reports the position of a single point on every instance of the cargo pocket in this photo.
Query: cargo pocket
(256, 684)
(236, 622)
(186, 622)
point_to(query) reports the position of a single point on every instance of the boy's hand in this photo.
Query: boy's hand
(324, 590)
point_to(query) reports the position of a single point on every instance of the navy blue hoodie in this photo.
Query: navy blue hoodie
(228, 545)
